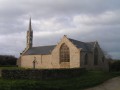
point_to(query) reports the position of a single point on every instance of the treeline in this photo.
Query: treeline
(7, 60)
(114, 65)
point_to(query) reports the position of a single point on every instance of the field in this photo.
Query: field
(88, 79)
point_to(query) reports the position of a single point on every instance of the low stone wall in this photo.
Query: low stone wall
(42, 74)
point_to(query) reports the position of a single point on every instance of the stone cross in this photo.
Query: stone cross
(34, 62)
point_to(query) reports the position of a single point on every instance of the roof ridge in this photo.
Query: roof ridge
(91, 42)
(75, 40)
(82, 41)
(44, 46)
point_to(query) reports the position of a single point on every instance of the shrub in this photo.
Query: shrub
(7, 60)
(115, 66)
(41, 74)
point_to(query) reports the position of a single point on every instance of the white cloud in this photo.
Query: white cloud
(105, 18)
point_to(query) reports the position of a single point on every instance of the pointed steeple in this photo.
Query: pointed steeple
(30, 26)
(29, 35)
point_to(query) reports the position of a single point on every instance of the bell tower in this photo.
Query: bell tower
(29, 35)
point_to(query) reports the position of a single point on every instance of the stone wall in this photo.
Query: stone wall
(42, 61)
(76, 58)
(90, 66)
(74, 54)
(53, 60)
(42, 74)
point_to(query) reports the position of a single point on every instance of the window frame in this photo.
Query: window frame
(64, 53)
(86, 59)
(96, 56)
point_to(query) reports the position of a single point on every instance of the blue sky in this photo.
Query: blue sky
(84, 20)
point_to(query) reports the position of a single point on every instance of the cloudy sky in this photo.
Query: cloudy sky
(84, 20)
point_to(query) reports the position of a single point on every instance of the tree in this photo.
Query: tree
(115, 66)
(7, 60)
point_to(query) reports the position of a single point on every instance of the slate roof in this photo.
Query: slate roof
(44, 50)
(86, 46)
(40, 50)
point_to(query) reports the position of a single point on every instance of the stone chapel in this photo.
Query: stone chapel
(68, 53)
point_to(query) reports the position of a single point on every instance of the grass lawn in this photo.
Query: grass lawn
(9, 67)
(88, 79)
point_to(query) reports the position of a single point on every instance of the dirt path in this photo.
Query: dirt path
(112, 84)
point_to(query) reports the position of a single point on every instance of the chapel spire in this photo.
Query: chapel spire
(30, 26)
(29, 35)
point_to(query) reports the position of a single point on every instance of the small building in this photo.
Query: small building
(68, 53)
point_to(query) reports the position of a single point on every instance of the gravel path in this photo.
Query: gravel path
(112, 84)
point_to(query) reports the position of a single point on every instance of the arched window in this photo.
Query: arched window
(103, 59)
(64, 53)
(86, 59)
(95, 56)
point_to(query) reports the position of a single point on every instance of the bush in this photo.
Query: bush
(7, 60)
(41, 74)
(115, 66)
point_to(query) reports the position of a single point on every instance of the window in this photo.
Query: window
(86, 59)
(95, 56)
(103, 59)
(64, 53)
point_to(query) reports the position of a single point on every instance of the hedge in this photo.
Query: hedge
(41, 74)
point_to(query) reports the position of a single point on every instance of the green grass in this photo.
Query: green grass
(88, 79)
(10, 67)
